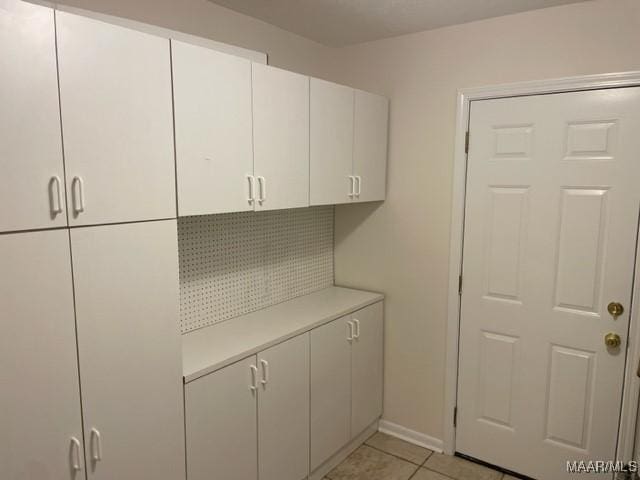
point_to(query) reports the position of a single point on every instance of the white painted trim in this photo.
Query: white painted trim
(465, 96)
(254, 56)
(411, 436)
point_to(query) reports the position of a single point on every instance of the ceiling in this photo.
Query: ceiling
(345, 22)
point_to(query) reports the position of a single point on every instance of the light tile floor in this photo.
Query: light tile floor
(383, 457)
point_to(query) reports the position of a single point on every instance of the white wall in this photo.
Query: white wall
(401, 247)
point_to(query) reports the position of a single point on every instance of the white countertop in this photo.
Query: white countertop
(211, 348)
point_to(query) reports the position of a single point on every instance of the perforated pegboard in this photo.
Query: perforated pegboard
(235, 263)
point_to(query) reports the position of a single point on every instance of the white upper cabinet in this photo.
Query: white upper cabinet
(214, 156)
(331, 138)
(32, 181)
(281, 138)
(115, 93)
(126, 294)
(40, 422)
(371, 113)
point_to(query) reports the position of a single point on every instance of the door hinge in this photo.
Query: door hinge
(455, 416)
(466, 142)
(459, 284)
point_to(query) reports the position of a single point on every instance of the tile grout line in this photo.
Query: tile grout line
(396, 456)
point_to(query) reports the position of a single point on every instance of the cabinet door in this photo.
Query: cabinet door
(31, 184)
(330, 390)
(371, 113)
(212, 101)
(331, 149)
(126, 291)
(366, 367)
(40, 399)
(221, 424)
(281, 138)
(283, 410)
(115, 93)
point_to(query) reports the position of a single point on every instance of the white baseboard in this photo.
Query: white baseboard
(411, 436)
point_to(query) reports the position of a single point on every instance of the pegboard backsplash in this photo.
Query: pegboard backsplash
(235, 263)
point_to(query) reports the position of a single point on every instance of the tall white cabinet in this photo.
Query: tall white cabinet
(126, 291)
(213, 123)
(32, 182)
(40, 418)
(115, 94)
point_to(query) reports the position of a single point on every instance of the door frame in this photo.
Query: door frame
(631, 386)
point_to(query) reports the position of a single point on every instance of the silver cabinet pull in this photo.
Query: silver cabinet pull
(77, 192)
(96, 445)
(254, 376)
(350, 336)
(265, 372)
(55, 195)
(356, 322)
(352, 186)
(76, 466)
(252, 193)
(262, 184)
(359, 184)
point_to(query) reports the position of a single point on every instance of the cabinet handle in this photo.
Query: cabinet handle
(254, 376)
(96, 445)
(357, 325)
(359, 183)
(252, 193)
(265, 372)
(55, 195)
(262, 184)
(350, 335)
(78, 199)
(352, 186)
(75, 455)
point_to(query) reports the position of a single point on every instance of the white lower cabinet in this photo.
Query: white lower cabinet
(40, 420)
(283, 410)
(346, 380)
(251, 419)
(221, 424)
(126, 292)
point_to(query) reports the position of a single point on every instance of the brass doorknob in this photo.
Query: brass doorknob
(612, 340)
(615, 309)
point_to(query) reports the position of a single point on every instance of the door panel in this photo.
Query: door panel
(371, 118)
(367, 365)
(115, 93)
(550, 234)
(283, 411)
(40, 400)
(212, 95)
(221, 424)
(126, 291)
(281, 136)
(330, 390)
(30, 140)
(331, 142)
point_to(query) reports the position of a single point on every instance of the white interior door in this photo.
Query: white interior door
(126, 293)
(214, 155)
(367, 364)
(331, 142)
(221, 424)
(117, 120)
(370, 133)
(283, 410)
(32, 181)
(281, 138)
(550, 236)
(40, 400)
(330, 390)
